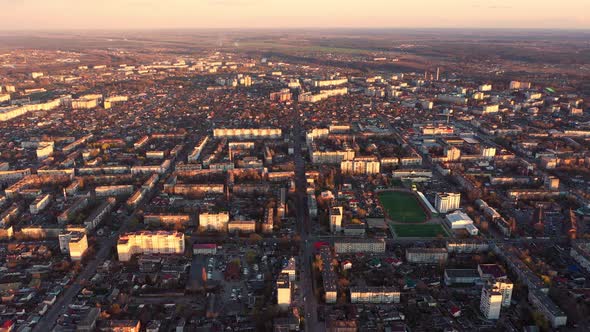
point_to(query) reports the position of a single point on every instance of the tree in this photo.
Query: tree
(255, 238)
(362, 213)
(115, 309)
(477, 259)
(540, 321)
(485, 226)
(250, 257)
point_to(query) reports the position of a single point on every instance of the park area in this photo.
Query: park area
(423, 230)
(402, 207)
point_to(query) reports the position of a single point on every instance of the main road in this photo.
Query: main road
(49, 320)
(310, 303)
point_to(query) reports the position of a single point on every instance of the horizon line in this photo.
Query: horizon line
(546, 29)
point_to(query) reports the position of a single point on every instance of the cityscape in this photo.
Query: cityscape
(305, 179)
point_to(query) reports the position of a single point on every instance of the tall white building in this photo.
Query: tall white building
(283, 290)
(505, 288)
(452, 153)
(336, 213)
(145, 242)
(445, 202)
(488, 152)
(491, 302)
(73, 242)
(485, 87)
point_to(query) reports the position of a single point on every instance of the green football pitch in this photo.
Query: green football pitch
(402, 207)
(425, 230)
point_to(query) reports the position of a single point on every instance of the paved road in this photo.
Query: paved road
(309, 300)
(50, 319)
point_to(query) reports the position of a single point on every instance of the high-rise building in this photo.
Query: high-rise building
(488, 152)
(73, 242)
(505, 288)
(485, 87)
(494, 275)
(283, 290)
(491, 301)
(336, 213)
(552, 183)
(445, 202)
(452, 153)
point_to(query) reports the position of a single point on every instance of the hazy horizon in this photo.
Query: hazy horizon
(304, 14)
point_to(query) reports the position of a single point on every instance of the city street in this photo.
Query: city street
(306, 255)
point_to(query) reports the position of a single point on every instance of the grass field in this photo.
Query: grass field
(426, 230)
(272, 45)
(402, 207)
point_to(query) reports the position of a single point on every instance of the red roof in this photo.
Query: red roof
(394, 261)
(492, 269)
(205, 245)
(7, 324)
(318, 245)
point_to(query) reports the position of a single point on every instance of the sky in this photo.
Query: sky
(172, 14)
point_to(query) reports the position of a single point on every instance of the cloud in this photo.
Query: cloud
(500, 7)
(233, 2)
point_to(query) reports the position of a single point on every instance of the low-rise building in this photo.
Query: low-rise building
(120, 190)
(328, 275)
(470, 245)
(548, 308)
(427, 255)
(359, 246)
(145, 242)
(241, 226)
(40, 203)
(460, 220)
(290, 269)
(374, 295)
(461, 276)
(580, 252)
(214, 221)
(204, 249)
